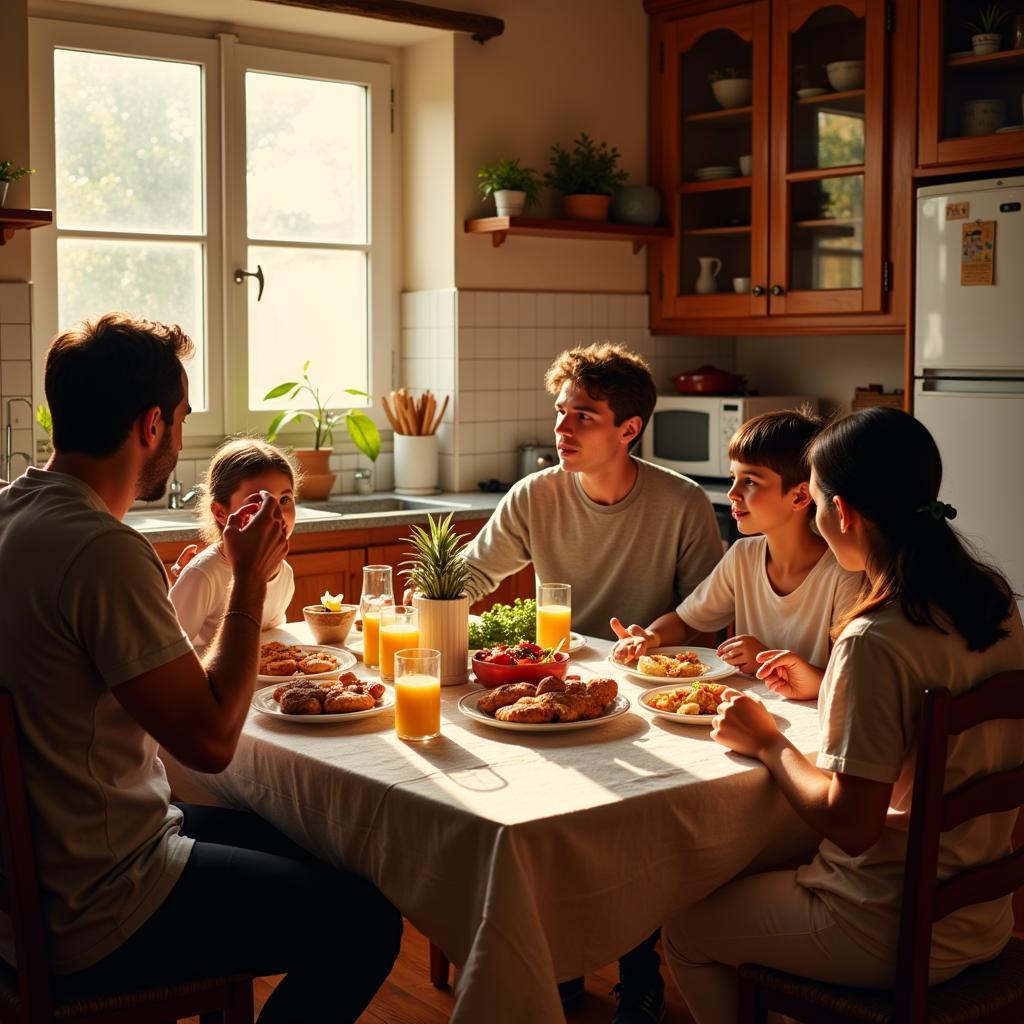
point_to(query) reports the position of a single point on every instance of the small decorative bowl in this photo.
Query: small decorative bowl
(845, 74)
(329, 627)
(491, 675)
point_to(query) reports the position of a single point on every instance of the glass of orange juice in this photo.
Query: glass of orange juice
(377, 594)
(554, 613)
(417, 694)
(399, 629)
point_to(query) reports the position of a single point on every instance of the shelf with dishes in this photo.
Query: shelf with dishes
(713, 185)
(985, 61)
(719, 116)
(726, 230)
(499, 228)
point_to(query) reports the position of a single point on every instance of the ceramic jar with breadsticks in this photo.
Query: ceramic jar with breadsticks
(415, 422)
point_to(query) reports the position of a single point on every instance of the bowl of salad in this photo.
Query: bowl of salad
(521, 662)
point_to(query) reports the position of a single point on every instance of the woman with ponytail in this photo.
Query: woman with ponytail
(931, 614)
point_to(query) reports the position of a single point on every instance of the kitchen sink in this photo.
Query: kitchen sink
(144, 519)
(384, 505)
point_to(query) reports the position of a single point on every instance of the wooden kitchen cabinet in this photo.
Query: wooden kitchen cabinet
(319, 571)
(814, 225)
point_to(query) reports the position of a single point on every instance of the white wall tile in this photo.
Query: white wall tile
(407, 309)
(527, 309)
(15, 341)
(599, 310)
(16, 377)
(15, 304)
(486, 400)
(486, 309)
(563, 309)
(636, 311)
(508, 435)
(525, 376)
(466, 311)
(527, 342)
(467, 407)
(384, 472)
(508, 342)
(487, 374)
(446, 309)
(564, 338)
(581, 310)
(486, 437)
(616, 310)
(507, 467)
(508, 309)
(488, 467)
(467, 375)
(545, 309)
(447, 477)
(508, 405)
(487, 342)
(446, 437)
(22, 415)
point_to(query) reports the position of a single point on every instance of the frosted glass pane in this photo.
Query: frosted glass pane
(305, 159)
(156, 280)
(314, 307)
(129, 143)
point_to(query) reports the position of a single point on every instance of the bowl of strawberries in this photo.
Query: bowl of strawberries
(522, 662)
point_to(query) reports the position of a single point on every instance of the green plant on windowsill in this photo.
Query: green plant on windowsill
(505, 177)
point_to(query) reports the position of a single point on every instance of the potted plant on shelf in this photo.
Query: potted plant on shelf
(586, 176)
(9, 173)
(731, 87)
(984, 35)
(513, 187)
(317, 478)
(438, 574)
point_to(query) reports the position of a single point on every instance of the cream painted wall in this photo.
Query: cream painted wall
(826, 367)
(15, 256)
(427, 118)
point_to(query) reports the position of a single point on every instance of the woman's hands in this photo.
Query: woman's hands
(633, 643)
(789, 675)
(744, 724)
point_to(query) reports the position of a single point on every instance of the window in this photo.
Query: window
(155, 215)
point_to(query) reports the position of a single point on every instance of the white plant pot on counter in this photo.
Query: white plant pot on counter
(509, 202)
(416, 464)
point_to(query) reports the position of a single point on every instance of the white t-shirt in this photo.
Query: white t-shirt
(869, 706)
(90, 612)
(738, 590)
(200, 596)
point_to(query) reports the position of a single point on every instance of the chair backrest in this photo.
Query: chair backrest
(926, 899)
(19, 895)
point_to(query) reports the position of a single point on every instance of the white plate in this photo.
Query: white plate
(717, 669)
(346, 659)
(732, 172)
(1010, 128)
(263, 701)
(671, 715)
(811, 91)
(716, 169)
(468, 706)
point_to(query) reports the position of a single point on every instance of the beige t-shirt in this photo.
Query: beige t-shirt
(636, 559)
(91, 612)
(200, 596)
(869, 707)
(738, 590)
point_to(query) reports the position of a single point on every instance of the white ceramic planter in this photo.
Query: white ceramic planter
(3, 192)
(444, 627)
(983, 117)
(416, 465)
(509, 203)
(733, 92)
(986, 42)
(845, 74)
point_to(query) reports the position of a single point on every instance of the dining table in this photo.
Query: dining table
(528, 857)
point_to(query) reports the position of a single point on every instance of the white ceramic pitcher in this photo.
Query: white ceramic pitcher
(709, 268)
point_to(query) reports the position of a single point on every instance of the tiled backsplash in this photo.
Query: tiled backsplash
(16, 369)
(490, 350)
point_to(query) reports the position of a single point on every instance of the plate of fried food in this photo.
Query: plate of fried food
(552, 705)
(679, 663)
(278, 660)
(693, 704)
(323, 701)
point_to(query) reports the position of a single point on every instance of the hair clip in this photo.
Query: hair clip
(938, 510)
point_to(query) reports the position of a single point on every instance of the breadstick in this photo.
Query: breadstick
(395, 426)
(428, 413)
(440, 416)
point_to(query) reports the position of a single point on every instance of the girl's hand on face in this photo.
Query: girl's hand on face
(789, 675)
(744, 724)
(633, 643)
(741, 652)
(255, 538)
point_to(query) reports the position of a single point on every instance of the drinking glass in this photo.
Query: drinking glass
(399, 630)
(377, 594)
(554, 613)
(418, 694)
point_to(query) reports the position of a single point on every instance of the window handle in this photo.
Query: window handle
(241, 275)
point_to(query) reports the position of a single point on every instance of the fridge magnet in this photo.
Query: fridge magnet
(977, 252)
(958, 211)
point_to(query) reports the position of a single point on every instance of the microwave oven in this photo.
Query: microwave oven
(691, 433)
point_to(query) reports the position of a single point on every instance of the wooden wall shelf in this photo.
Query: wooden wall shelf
(999, 59)
(21, 220)
(499, 228)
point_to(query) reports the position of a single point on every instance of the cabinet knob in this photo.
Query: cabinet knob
(777, 289)
(757, 290)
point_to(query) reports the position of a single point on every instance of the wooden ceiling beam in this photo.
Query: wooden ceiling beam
(480, 26)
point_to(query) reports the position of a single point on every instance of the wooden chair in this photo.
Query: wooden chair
(25, 994)
(992, 992)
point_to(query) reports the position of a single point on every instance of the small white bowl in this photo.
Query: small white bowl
(733, 92)
(845, 74)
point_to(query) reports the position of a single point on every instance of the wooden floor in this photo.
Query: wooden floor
(407, 997)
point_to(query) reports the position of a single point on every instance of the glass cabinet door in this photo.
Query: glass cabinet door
(716, 153)
(828, 82)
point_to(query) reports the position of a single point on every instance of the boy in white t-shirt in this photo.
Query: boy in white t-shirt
(783, 588)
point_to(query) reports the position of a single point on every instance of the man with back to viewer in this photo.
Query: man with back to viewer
(101, 673)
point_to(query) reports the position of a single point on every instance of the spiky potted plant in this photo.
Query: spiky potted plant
(586, 175)
(985, 34)
(437, 574)
(513, 187)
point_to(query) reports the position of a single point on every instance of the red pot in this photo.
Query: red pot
(490, 675)
(709, 380)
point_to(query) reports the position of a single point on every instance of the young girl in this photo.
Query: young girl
(238, 472)
(930, 615)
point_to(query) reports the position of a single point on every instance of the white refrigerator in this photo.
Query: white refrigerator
(969, 357)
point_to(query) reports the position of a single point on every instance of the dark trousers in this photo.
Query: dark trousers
(640, 966)
(251, 900)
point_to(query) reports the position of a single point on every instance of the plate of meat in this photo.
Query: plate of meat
(279, 661)
(552, 705)
(323, 701)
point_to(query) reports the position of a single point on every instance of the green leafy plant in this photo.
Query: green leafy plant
(587, 169)
(44, 419)
(361, 428)
(8, 172)
(728, 73)
(438, 571)
(989, 19)
(507, 174)
(505, 624)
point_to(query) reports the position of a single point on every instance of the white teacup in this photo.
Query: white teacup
(746, 165)
(741, 285)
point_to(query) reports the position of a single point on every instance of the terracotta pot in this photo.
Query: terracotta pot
(708, 380)
(585, 207)
(444, 627)
(317, 478)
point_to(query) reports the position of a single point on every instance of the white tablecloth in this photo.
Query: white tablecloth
(528, 858)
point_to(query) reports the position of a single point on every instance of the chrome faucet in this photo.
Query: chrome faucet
(175, 499)
(9, 454)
